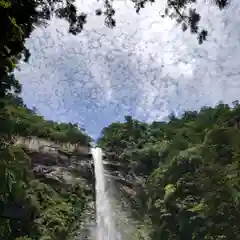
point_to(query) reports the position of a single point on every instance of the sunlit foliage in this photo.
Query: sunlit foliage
(191, 169)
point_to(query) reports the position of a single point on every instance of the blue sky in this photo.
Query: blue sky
(145, 67)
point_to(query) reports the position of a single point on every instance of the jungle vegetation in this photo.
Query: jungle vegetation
(190, 167)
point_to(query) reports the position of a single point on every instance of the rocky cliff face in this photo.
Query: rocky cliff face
(61, 166)
(67, 164)
(56, 163)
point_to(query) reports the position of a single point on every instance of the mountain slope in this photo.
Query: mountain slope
(188, 170)
(43, 189)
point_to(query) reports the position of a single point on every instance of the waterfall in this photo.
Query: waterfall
(106, 224)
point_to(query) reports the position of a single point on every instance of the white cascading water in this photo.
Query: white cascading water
(106, 225)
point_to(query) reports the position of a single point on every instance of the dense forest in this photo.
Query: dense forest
(25, 122)
(49, 212)
(189, 166)
(190, 171)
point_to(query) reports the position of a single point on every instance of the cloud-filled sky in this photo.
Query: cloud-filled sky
(145, 67)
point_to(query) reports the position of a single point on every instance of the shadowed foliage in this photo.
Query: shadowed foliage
(29, 208)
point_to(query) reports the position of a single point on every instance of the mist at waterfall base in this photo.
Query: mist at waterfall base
(111, 222)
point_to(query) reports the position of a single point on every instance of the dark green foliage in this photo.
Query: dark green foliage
(191, 168)
(25, 122)
(29, 208)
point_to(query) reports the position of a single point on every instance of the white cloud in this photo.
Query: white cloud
(145, 66)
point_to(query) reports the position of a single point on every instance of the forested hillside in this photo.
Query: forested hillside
(189, 166)
(30, 208)
(25, 122)
(190, 171)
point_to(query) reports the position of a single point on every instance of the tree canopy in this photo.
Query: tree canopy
(190, 171)
(41, 210)
(22, 121)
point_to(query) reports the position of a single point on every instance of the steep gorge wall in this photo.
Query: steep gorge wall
(57, 162)
(61, 166)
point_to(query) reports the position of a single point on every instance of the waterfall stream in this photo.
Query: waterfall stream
(105, 219)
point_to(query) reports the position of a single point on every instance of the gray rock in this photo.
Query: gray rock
(58, 163)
